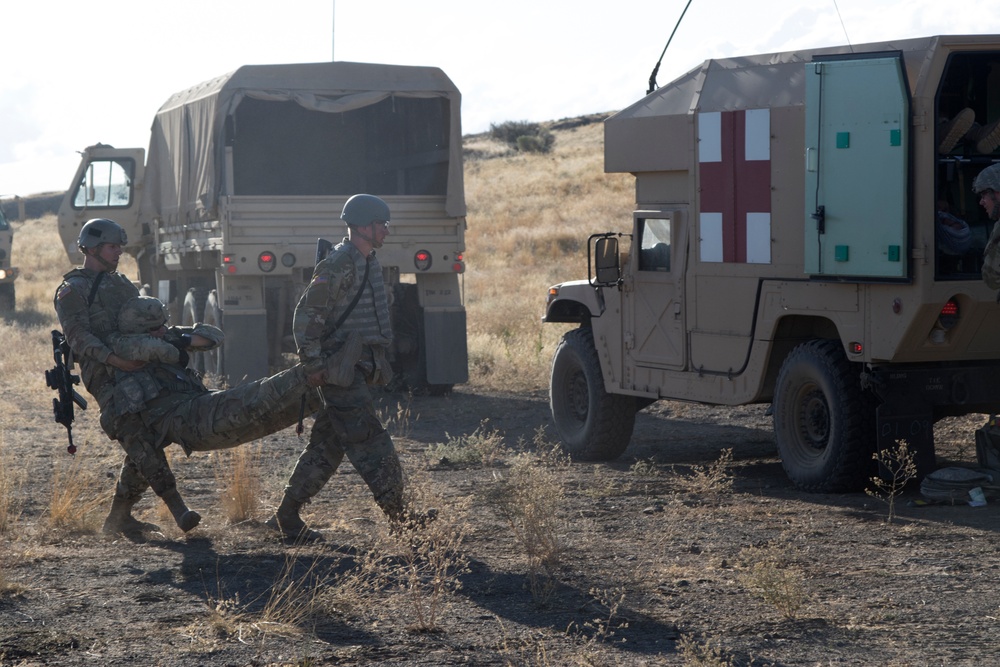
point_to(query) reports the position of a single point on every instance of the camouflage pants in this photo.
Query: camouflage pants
(210, 421)
(348, 425)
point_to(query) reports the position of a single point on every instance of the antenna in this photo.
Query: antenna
(652, 77)
(333, 28)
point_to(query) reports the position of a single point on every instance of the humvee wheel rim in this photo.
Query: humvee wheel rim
(814, 418)
(578, 396)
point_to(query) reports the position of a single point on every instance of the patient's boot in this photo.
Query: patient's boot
(186, 519)
(954, 130)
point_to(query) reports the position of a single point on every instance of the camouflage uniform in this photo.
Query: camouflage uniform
(348, 423)
(88, 317)
(148, 409)
(166, 402)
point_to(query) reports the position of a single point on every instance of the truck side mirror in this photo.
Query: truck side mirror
(607, 267)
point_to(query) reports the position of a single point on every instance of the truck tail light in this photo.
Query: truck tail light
(229, 263)
(266, 261)
(459, 264)
(422, 260)
(948, 317)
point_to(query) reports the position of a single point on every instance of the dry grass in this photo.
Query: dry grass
(238, 473)
(519, 243)
(77, 501)
(12, 479)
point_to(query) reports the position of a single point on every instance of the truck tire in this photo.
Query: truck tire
(824, 422)
(593, 424)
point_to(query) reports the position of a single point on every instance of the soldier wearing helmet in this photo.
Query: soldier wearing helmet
(344, 314)
(89, 298)
(986, 185)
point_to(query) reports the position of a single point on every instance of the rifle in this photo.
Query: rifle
(62, 380)
(322, 250)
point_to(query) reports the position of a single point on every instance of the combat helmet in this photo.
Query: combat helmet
(142, 314)
(361, 210)
(987, 179)
(101, 230)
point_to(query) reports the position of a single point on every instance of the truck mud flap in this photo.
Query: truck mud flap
(913, 398)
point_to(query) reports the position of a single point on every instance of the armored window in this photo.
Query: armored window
(654, 246)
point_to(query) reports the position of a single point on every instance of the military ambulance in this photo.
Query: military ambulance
(805, 235)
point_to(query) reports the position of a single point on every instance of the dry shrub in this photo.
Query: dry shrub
(696, 654)
(484, 446)
(238, 472)
(770, 573)
(898, 467)
(712, 479)
(530, 498)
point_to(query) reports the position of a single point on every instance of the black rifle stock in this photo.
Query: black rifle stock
(62, 379)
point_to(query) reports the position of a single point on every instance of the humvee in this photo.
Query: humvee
(787, 248)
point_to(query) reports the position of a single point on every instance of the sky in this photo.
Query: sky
(73, 74)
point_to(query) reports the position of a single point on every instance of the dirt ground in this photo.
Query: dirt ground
(653, 569)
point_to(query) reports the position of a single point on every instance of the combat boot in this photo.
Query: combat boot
(286, 520)
(120, 519)
(186, 519)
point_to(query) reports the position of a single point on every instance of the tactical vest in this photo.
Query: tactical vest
(370, 317)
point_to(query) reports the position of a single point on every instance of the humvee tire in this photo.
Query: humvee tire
(823, 420)
(594, 425)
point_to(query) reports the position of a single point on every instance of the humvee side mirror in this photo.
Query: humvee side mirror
(607, 267)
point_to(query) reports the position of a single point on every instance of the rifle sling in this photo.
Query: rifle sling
(93, 289)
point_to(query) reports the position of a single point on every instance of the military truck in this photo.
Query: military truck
(8, 273)
(785, 249)
(245, 172)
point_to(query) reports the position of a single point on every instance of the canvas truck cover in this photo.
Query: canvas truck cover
(185, 175)
(644, 137)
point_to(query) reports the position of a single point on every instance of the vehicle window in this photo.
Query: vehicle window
(654, 248)
(106, 184)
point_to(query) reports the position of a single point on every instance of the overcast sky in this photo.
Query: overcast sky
(76, 73)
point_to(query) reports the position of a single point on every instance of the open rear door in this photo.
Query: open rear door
(857, 167)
